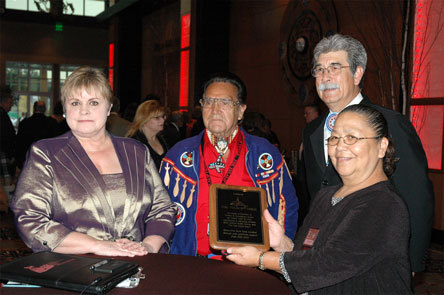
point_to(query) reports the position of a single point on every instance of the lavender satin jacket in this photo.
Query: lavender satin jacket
(60, 190)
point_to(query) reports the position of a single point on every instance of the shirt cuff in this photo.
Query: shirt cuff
(283, 269)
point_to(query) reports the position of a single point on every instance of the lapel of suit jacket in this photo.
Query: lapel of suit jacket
(366, 101)
(317, 142)
(132, 162)
(75, 159)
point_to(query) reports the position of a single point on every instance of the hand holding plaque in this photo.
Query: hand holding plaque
(236, 217)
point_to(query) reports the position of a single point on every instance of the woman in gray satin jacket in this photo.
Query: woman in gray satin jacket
(88, 191)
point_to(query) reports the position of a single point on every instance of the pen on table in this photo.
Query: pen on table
(98, 264)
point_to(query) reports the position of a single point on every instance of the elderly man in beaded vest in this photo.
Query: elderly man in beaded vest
(223, 153)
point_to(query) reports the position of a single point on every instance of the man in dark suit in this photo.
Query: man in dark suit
(115, 124)
(173, 129)
(34, 128)
(339, 65)
(7, 135)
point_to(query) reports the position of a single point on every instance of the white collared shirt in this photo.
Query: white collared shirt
(327, 132)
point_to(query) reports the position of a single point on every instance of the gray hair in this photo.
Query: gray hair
(357, 56)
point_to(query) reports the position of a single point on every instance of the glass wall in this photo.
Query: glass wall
(427, 104)
(65, 71)
(30, 82)
(75, 7)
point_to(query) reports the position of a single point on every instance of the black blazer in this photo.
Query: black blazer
(410, 177)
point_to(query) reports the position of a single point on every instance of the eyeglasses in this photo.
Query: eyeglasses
(225, 103)
(333, 69)
(347, 139)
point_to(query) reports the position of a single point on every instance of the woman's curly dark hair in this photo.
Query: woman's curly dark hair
(379, 124)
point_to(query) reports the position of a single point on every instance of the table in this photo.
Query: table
(179, 274)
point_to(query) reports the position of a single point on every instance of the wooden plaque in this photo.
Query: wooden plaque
(236, 217)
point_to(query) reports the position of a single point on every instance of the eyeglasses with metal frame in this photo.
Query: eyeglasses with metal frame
(223, 102)
(333, 70)
(347, 139)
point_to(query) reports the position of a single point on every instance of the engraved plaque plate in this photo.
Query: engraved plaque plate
(236, 217)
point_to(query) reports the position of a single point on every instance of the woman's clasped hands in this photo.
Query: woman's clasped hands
(122, 247)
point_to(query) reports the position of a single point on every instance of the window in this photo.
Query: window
(30, 82)
(65, 71)
(85, 7)
(427, 104)
(21, 5)
(33, 82)
(74, 7)
(185, 60)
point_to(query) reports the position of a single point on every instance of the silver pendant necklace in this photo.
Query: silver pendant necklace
(221, 146)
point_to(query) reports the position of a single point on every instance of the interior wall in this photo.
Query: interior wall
(161, 30)
(254, 57)
(255, 50)
(128, 48)
(379, 26)
(40, 43)
(32, 42)
(160, 71)
(212, 41)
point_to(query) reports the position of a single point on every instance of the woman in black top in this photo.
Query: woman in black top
(148, 123)
(354, 239)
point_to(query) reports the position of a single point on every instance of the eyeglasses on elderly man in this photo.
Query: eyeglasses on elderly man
(226, 103)
(333, 69)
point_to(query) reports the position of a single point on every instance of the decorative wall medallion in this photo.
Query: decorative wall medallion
(304, 24)
(304, 35)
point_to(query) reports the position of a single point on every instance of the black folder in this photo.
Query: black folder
(68, 272)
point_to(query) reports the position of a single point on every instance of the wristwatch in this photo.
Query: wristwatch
(261, 261)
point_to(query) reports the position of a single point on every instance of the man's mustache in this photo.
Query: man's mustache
(327, 86)
(217, 117)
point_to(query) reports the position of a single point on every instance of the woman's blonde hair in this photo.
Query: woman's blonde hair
(147, 110)
(86, 78)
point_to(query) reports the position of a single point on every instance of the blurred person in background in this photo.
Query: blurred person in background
(59, 117)
(7, 135)
(257, 124)
(115, 124)
(148, 123)
(172, 132)
(311, 112)
(7, 146)
(38, 126)
(196, 124)
(130, 111)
